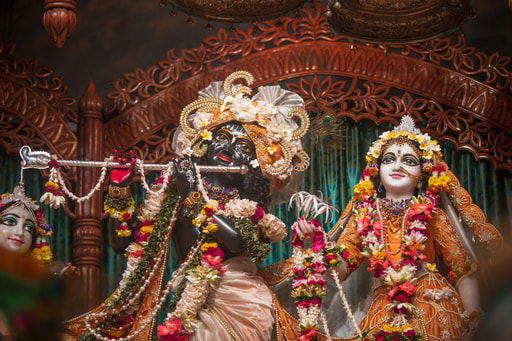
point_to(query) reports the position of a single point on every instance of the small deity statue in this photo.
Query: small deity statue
(23, 229)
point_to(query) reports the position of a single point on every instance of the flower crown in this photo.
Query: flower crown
(267, 117)
(41, 252)
(429, 151)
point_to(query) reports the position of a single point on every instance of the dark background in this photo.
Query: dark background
(113, 37)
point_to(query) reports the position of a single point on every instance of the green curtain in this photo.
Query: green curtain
(332, 171)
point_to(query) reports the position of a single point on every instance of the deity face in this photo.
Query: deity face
(231, 146)
(400, 171)
(17, 227)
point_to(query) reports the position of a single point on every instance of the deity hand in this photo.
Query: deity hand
(305, 230)
(119, 204)
(185, 176)
(122, 176)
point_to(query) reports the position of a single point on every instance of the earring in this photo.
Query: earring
(380, 189)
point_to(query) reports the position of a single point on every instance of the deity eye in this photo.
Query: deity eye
(29, 226)
(9, 220)
(388, 158)
(222, 137)
(410, 160)
(245, 145)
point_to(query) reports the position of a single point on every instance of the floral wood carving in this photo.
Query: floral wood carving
(454, 92)
(34, 106)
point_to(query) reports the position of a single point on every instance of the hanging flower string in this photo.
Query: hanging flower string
(181, 323)
(56, 186)
(53, 195)
(308, 275)
(122, 210)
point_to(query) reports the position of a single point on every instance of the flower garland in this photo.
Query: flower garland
(181, 323)
(204, 271)
(122, 210)
(309, 281)
(142, 254)
(399, 276)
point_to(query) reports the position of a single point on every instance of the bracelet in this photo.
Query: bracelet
(191, 200)
(118, 193)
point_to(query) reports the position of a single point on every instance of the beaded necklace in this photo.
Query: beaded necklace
(219, 193)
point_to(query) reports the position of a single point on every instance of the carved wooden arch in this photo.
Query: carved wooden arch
(35, 107)
(462, 96)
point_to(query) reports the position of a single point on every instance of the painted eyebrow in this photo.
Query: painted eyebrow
(407, 154)
(18, 217)
(8, 214)
(245, 138)
(412, 155)
(224, 130)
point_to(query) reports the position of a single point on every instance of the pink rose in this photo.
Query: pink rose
(362, 224)
(212, 256)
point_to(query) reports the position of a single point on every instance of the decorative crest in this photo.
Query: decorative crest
(18, 194)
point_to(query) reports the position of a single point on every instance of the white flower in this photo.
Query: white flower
(187, 151)
(372, 249)
(414, 238)
(254, 163)
(274, 135)
(202, 119)
(271, 150)
(272, 228)
(370, 238)
(244, 109)
(54, 201)
(243, 208)
(405, 274)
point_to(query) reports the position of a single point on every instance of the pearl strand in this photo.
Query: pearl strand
(168, 172)
(346, 306)
(93, 190)
(326, 327)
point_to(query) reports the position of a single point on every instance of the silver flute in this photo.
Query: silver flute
(40, 160)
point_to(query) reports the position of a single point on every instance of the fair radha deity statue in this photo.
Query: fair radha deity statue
(401, 221)
(23, 229)
(218, 221)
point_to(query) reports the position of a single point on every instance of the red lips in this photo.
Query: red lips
(224, 158)
(16, 240)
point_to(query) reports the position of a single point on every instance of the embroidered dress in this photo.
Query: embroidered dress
(439, 309)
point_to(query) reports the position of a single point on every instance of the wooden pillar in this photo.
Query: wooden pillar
(87, 233)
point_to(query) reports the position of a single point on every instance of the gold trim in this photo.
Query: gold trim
(192, 199)
(118, 193)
